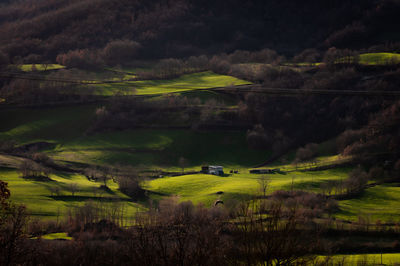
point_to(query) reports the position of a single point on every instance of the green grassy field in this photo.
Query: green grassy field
(379, 58)
(188, 82)
(162, 148)
(54, 236)
(364, 59)
(66, 128)
(45, 124)
(360, 259)
(40, 67)
(201, 188)
(377, 203)
(40, 202)
(381, 202)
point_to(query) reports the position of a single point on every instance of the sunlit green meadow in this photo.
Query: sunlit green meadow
(40, 67)
(202, 188)
(361, 259)
(379, 203)
(379, 58)
(188, 82)
(43, 203)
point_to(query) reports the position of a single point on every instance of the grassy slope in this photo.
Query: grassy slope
(40, 67)
(360, 259)
(202, 188)
(66, 127)
(47, 124)
(196, 81)
(36, 195)
(379, 58)
(163, 148)
(377, 203)
(158, 148)
(55, 236)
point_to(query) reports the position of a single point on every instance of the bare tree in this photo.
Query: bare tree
(264, 182)
(73, 188)
(55, 190)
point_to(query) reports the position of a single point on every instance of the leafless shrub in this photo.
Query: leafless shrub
(73, 188)
(258, 138)
(307, 152)
(356, 181)
(81, 59)
(120, 51)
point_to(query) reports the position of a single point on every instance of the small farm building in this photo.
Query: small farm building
(263, 171)
(213, 170)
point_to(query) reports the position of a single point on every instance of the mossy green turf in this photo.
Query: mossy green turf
(37, 197)
(40, 67)
(55, 236)
(163, 148)
(360, 259)
(379, 58)
(66, 128)
(202, 188)
(381, 202)
(188, 82)
(364, 59)
(45, 124)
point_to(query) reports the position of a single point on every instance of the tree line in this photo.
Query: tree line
(277, 231)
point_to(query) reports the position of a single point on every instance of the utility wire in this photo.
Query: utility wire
(16, 75)
(233, 89)
(279, 91)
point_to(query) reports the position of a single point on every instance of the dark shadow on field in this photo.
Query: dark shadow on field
(230, 197)
(149, 193)
(151, 199)
(106, 189)
(70, 198)
(344, 212)
(64, 175)
(76, 165)
(38, 178)
(299, 185)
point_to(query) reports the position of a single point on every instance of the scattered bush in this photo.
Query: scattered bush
(130, 185)
(120, 52)
(257, 138)
(30, 169)
(307, 56)
(4, 61)
(81, 59)
(356, 181)
(307, 152)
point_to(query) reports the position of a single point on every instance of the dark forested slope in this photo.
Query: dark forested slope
(186, 27)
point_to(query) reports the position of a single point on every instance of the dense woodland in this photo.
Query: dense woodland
(306, 84)
(41, 29)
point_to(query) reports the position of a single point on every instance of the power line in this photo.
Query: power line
(233, 89)
(16, 75)
(280, 91)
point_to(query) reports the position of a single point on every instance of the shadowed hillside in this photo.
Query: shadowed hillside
(185, 27)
